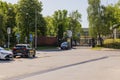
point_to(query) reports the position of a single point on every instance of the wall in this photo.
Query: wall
(47, 41)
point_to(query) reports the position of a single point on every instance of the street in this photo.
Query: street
(81, 63)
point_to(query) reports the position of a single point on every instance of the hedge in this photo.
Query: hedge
(112, 43)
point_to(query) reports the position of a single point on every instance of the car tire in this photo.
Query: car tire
(14, 56)
(29, 55)
(34, 55)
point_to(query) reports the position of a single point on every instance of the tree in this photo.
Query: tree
(10, 22)
(29, 15)
(7, 19)
(59, 19)
(74, 25)
(95, 20)
(50, 26)
(109, 18)
(2, 38)
(94, 17)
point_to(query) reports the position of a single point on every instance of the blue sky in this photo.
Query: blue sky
(49, 6)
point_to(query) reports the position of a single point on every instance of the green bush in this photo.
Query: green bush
(112, 43)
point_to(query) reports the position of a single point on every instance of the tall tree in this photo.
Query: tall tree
(60, 18)
(7, 19)
(2, 38)
(28, 16)
(2, 23)
(94, 17)
(50, 27)
(74, 23)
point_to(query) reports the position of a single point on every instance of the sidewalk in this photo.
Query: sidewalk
(110, 49)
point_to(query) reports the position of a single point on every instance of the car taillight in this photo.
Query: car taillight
(24, 49)
(14, 48)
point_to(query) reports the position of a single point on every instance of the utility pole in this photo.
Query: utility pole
(35, 28)
(8, 31)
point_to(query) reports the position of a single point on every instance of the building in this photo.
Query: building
(85, 38)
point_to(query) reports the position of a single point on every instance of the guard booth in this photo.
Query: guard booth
(85, 39)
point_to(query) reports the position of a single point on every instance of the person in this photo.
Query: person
(93, 42)
(89, 42)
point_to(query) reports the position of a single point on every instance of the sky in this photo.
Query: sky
(49, 6)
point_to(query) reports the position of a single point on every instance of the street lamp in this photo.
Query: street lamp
(26, 38)
(35, 28)
(9, 32)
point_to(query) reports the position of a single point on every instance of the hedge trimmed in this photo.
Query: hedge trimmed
(112, 43)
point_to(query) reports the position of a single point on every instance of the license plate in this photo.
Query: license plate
(10, 56)
(19, 54)
(17, 50)
(31, 51)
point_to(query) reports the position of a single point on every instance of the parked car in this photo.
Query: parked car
(64, 46)
(24, 50)
(5, 54)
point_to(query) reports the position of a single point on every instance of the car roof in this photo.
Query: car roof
(22, 44)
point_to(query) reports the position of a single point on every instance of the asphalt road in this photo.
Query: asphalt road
(75, 64)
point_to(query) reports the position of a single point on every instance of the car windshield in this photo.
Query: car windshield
(23, 46)
(1, 48)
(64, 43)
(20, 46)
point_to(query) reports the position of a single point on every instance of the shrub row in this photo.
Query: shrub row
(112, 43)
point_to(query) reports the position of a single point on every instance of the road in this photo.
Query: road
(81, 63)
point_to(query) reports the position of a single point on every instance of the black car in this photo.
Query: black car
(23, 50)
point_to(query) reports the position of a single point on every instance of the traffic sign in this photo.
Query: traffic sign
(31, 37)
(69, 33)
(18, 35)
(8, 30)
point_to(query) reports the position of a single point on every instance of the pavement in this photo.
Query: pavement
(106, 67)
(80, 63)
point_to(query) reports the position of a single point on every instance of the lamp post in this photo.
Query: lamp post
(35, 28)
(8, 31)
(27, 32)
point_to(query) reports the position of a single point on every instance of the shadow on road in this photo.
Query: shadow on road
(54, 69)
(6, 61)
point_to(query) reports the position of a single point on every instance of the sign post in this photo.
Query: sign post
(9, 32)
(69, 34)
(18, 37)
(31, 38)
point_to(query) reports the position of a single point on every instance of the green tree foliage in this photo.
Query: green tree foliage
(74, 24)
(59, 19)
(117, 13)
(2, 23)
(50, 27)
(28, 15)
(10, 22)
(108, 18)
(1, 27)
(7, 19)
(94, 17)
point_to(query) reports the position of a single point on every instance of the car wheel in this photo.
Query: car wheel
(33, 55)
(14, 56)
(29, 55)
(11, 59)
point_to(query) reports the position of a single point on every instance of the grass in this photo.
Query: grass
(46, 47)
(97, 48)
